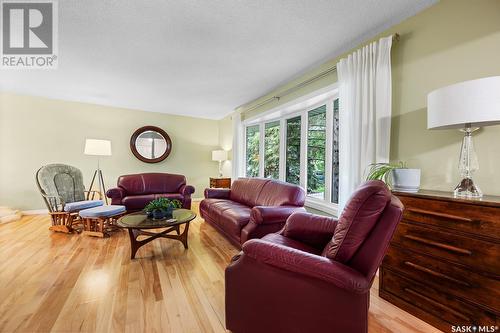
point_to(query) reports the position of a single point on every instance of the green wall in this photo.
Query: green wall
(453, 41)
(36, 131)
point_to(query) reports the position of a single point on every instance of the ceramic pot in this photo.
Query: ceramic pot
(406, 180)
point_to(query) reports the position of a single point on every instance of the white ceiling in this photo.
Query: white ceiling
(198, 58)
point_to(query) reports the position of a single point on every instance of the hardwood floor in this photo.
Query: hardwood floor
(58, 282)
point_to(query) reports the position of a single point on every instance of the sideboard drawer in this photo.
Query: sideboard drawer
(443, 264)
(452, 215)
(412, 295)
(468, 251)
(451, 279)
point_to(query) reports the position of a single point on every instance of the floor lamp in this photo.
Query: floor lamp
(98, 148)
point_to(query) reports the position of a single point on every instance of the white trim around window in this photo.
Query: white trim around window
(299, 107)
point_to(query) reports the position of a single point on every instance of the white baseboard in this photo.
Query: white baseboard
(196, 199)
(35, 212)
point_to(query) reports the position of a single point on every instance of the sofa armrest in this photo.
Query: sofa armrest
(217, 193)
(310, 229)
(115, 193)
(307, 264)
(273, 214)
(187, 190)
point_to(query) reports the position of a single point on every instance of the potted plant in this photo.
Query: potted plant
(161, 208)
(397, 176)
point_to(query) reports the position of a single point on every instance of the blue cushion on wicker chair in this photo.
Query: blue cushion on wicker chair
(102, 211)
(79, 205)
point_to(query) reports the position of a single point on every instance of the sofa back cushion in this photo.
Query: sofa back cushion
(278, 193)
(266, 192)
(151, 183)
(246, 190)
(358, 218)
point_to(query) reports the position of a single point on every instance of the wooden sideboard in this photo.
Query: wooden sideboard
(220, 182)
(443, 264)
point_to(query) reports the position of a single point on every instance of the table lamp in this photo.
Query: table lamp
(219, 156)
(466, 106)
(95, 147)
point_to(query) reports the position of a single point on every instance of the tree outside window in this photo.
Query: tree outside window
(316, 141)
(293, 150)
(272, 150)
(252, 151)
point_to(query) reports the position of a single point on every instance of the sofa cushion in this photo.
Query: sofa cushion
(170, 196)
(229, 215)
(232, 219)
(150, 183)
(358, 218)
(205, 205)
(137, 202)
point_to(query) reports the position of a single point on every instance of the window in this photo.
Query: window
(252, 150)
(299, 144)
(293, 150)
(272, 150)
(316, 142)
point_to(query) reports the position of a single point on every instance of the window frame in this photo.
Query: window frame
(291, 110)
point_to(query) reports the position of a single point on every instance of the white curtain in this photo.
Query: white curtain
(238, 147)
(365, 93)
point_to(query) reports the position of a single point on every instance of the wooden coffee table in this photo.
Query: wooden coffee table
(136, 223)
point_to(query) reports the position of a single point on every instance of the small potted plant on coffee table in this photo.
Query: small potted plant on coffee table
(161, 208)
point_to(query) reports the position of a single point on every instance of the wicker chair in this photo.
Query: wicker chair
(62, 189)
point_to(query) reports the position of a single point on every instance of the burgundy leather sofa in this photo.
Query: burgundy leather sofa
(315, 275)
(136, 191)
(252, 208)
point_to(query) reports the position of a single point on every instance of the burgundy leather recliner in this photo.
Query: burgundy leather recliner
(315, 275)
(252, 208)
(136, 191)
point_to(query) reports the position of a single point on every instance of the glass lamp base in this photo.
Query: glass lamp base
(466, 188)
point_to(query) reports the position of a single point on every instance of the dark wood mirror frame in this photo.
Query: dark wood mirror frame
(155, 129)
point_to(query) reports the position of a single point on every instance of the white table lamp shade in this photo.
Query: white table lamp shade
(97, 147)
(219, 155)
(475, 102)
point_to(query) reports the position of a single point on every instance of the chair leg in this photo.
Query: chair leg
(60, 222)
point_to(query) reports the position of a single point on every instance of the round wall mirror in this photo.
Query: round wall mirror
(150, 144)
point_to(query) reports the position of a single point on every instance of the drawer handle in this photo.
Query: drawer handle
(434, 273)
(437, 304)
(436, 214)
(439, 245)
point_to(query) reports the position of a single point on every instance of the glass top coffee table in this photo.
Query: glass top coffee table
(136, 223)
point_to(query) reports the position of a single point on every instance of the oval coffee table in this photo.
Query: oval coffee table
(137, 222)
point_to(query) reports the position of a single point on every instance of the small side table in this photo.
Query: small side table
(220, 182)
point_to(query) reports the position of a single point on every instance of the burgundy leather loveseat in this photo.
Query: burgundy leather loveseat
(315, 275)
(252, 208)
(136, 191)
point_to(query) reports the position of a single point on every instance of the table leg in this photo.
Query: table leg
(136, 244)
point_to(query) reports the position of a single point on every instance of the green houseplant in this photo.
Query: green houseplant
(396, 175)
(161, 207)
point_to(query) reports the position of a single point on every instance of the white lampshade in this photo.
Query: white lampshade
(475, 102)
(97, 147)
(219, 155)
